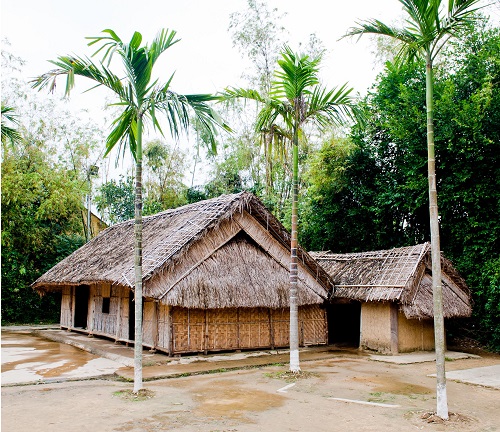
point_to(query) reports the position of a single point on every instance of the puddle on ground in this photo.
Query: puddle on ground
(392, 386)
(228, 399)
(26, 357)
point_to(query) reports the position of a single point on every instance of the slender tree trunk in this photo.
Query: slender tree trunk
(138, 262)
(294, 315)
(439, 334)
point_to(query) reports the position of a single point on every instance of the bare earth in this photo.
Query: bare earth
(260, 399)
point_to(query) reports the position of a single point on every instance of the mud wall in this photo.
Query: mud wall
(415, 335)
(376, 326)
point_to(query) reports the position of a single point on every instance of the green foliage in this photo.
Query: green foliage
(380, 199)
(164, 187)
(115, 199)
(41, 224)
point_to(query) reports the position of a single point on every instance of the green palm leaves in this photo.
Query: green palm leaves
(429, 24)
(10, 134)
(135, 90)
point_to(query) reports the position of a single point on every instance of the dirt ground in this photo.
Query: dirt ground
(332, 395)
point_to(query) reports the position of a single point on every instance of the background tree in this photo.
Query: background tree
(297, 99)
(142, 99)
(372, 194)
(115, 200)
(43, 186)
(430, 23)
(164, 186)
(41, 224)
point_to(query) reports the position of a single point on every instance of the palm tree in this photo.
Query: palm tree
(142, 100)
(430, 23)
(297, 99)
(9, 133)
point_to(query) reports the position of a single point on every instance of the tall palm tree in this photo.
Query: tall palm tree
(297, 99)
(142, 100)
(429, 25)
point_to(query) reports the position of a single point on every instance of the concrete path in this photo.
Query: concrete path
(487, 376)
(420, 357)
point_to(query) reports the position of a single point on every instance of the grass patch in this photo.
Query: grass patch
(291, 377)
(129, 395)
(381, 397)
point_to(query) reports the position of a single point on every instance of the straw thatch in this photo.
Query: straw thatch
(401, 275)
(223, 252)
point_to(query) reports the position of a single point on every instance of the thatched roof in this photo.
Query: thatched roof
(401, 275)
(228, 251)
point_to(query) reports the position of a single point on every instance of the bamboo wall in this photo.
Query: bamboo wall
(196, 330)
(181, 330)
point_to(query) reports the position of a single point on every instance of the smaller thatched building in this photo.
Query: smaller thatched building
(383, 299)
(215, 277)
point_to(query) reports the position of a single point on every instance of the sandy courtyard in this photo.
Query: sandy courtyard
(340, 393)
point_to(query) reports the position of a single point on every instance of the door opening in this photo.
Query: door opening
(344, 324)
(82, 296)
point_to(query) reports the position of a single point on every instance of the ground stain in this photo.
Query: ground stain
(393, 386)
(228, 399)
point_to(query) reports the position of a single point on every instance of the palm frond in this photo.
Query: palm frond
(71, 66)
(10, 134)
(297, 74)
(232, 93)
(124, 132)
(163, 40)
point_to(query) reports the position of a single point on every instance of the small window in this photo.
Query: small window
(105, 305)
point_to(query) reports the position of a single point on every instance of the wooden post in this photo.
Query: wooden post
(118, 314)
(155, 326)
(238, 327)
(394, 328)
(205, 339)
(271, 328)
(170, 329)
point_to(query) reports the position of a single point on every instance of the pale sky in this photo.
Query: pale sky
(204, 61)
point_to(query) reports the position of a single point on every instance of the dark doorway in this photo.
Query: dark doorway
(344, 320)
(82, 296)
(131, 316)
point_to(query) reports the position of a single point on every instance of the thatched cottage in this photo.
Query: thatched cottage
(383, 299)
(215, 277)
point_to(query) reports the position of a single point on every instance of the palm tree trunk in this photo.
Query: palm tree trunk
(439, 336)
(294, 315)
(138, 262)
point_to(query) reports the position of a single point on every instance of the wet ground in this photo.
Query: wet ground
(29, 358)
(338, 391)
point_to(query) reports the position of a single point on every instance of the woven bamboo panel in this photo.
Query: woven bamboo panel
(222, 329)
(163, 327)
(313, 325)
(124, 314)
(254, 328)
(66, 312)
(148, 323)
(188, 329)
(281, 327)
(104, 322)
